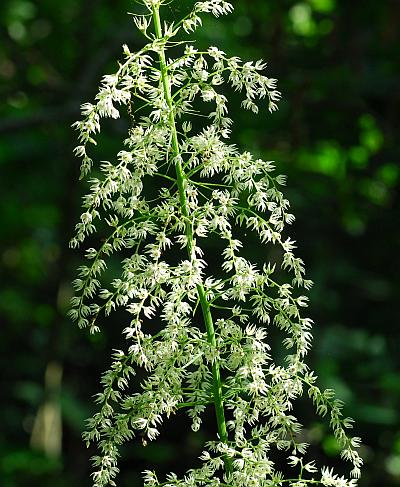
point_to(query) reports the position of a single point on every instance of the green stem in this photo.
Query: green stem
(182, 181)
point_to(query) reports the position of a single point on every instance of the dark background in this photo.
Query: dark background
(335, 136)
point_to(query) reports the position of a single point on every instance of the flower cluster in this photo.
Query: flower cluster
(201, 187)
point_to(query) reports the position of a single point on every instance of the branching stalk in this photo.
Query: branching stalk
(232, 188)
(181, 181)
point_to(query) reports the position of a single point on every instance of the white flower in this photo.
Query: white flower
(192, 312)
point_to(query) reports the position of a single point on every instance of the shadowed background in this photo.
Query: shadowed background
(334, 136)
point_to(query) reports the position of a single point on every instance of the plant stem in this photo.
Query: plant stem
(181, 181)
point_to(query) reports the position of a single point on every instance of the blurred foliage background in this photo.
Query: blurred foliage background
(336, 136)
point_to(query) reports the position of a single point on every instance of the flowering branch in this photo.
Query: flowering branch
(205, 187)
(181, 181)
